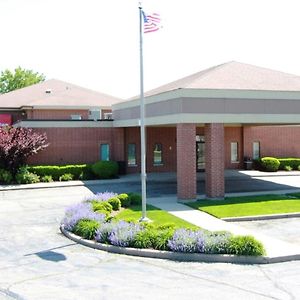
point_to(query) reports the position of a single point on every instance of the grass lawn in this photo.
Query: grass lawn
(159, 217)
(249, 205)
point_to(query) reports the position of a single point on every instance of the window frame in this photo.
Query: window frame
(234, 152)
(135, 157)
(158, 163)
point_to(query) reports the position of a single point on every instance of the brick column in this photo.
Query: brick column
(214, 160)
(186, 161)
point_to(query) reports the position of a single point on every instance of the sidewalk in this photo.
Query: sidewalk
(275, 248)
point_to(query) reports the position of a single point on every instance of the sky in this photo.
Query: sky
(95, 43)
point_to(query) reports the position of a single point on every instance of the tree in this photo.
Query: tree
(17, 79)
(17, 144)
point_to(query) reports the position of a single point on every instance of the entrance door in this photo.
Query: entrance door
(200, 154)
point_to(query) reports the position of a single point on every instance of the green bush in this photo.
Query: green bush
(66, 177)
(125, 200)
(46, 178)
(78, 171)
(24, 176)
(288, 168)
(102, 206)
(105, 169)
(86, 228)
(270, 164)
(115, 203)
(153, 237)
(294, 163)
(245, 245)
(135, 199)
(5, 176)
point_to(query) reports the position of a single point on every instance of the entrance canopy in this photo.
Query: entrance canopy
(232, 93)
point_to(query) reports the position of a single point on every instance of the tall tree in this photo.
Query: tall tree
(17, 79)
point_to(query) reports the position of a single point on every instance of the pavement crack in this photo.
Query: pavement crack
(275, 283)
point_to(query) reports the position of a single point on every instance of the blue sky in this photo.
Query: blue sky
(94, 43)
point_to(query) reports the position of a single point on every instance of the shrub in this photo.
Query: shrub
(135, 199)
(288, 168)
(101, 196)
(102, 206)
(217, 242)
(115, 203)
(46, 178)
(123, 233)
(103, 232)
(66, 177)
(294, 163)
(186, 240)
(161, 237)
(5, 176)
(270, 164)
(245, 245)
(105, 169)
(298, 168)
(24, 176)
(78, 171)
(80, 211)
(125, 200)
(86, 228)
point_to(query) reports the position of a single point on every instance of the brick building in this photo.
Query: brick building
(210, 120)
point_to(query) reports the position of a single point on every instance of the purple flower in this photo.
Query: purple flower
(80, 211)
(101, 196)
(103, 232)
(217, 242)
(186, 240)
(123, 233)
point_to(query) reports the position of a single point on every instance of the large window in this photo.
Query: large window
(104, 151)
(131, 155)
(157, 154)
(234, 152)
(256, 150)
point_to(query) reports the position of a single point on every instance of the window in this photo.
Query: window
(131, 155)
(234, 152)
(75, 117)
(256, 150)
(104, 152)
(157, 154)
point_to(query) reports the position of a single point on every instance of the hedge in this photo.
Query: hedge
(294, 163)
(269, 164)
(78, 171)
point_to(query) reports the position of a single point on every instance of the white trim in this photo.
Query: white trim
(201, 119)
(64, 124)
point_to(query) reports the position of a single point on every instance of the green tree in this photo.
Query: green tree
(17, 79)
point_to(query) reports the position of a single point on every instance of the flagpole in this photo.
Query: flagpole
(142, 123)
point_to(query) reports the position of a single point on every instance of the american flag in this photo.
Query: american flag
(151, 22)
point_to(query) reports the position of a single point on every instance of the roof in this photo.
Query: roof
(234, 76)
(55, 93)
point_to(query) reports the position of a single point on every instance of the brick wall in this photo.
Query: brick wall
(233, 134)
(75, 145)
(278, 141)
(56, 114)
(163, 135)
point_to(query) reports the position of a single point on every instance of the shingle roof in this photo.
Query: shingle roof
(60, 93)
(234, 76)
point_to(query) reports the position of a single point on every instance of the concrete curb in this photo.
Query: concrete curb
(176, 256)
(262, 217)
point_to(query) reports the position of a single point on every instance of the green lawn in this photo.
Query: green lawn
(249, 206)
(159, 217)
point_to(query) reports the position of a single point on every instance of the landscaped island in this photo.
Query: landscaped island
(112, 219)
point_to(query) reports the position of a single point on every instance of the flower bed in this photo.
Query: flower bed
(92, 219)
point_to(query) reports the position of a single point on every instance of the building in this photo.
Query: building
(210, 120)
